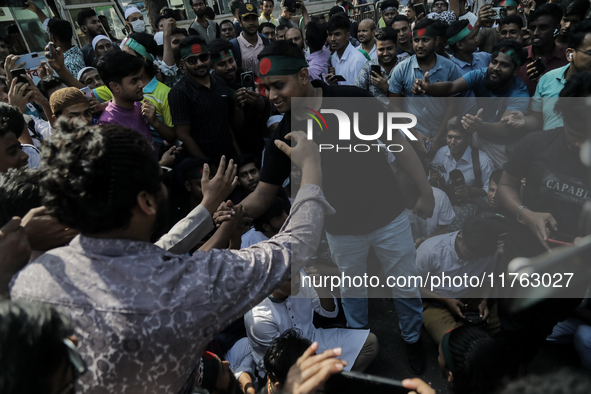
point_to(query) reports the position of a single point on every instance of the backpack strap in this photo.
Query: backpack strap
(236, 52)
(476, 168)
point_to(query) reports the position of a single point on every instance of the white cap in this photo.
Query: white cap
(159, 38)
(130, 11)
(82, 71)
(96, 39)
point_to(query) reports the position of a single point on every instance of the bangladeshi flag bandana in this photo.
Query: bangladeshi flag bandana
(461, 35)
(425, 32)
(272, 66)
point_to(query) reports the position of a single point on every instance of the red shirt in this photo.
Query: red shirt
(556, 59)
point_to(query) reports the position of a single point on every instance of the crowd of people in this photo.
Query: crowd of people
(163, 218)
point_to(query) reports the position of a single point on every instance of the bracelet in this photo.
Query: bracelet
(518, 217)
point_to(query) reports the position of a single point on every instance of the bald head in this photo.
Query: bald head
(295, 35)
(365, 32)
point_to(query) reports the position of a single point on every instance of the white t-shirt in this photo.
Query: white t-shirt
(443, 214)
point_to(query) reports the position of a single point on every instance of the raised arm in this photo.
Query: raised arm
(439, 89)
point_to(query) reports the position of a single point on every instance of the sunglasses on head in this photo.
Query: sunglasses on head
(202, 57)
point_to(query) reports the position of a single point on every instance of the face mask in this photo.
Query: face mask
(139, 26)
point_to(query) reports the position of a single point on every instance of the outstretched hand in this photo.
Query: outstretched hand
(421, 86)
(473, 123)
(305, 152)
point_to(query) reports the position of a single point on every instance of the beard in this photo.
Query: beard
(161, 223)
(494, 86)
(198, 72)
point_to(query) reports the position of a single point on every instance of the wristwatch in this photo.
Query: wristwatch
(519, 219)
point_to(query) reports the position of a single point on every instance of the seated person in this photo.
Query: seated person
(476, 206)
(248, 176)
(500, 81)
(443, 213)
(471, 251)
(293, 306)
(283, 352)
(475, 165)
(266, 225)
(470, 360)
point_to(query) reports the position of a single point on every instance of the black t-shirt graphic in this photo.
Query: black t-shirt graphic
(556, 182)
(360, 186)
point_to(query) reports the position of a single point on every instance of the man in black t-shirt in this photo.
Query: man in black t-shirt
(555, 191)
(368, 214)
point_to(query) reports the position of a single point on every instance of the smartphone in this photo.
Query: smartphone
(50, 47)
(540, 65)
(376, 68)
(247, 79)
(472, 316)
(356, 382)
(32, 60)
(340, 78)
(87, 91)
(561, 239)
(19, 74)
(419, 9)
(500, 13)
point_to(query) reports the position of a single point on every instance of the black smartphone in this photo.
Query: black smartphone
(247, 79)
(50, 47)
(376, 68)
(355, 382)
(540, 65)
(472, 316)
(19, 74)
(419, 9)
(340, 78)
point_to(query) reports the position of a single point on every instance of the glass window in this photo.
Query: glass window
(109, 19)
(32, 31)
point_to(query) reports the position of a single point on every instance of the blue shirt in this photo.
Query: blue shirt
(443, 156)
(514, 98)
(545, 97)
(479, 60)
(427, 109)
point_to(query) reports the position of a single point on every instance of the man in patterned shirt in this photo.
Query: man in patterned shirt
(60, 33)
(376, 84)
(144, 315)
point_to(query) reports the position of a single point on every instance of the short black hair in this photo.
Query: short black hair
(188, 167)
(113, 66)
(338, 21)
(271, 1)
(48, 83)
(209, 13)
(281, 27)
(247, 158)
(495, 176)
(179, 30)
(283, 48)
(83, 15)
(316, 35)
(266, 24)
(386, 34)
(454, 28)
(455, 124)
(441, 28)
(577, 7)
(228, 21)
(31, 339)
(401, 18)
(275, 210)
(60, 29)
(159, 18)
(107, 166)
(11, 120)
(190, 40)
(19, 193)
(283, 353)
(505, 45)
(387, 4)
(480, 236)
(578, 33)
(515, 19)
(219, 44)
(552, 10)
(424, 23)
(574, 111)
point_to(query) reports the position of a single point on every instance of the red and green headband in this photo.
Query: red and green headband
(461, 35)
(139, 48)
(512, 54)
(272, 66)
(216, 57)
(509, 3)
(425, 32)
(194, 49)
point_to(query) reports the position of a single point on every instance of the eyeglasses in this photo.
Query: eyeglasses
(77, 362)
(588, 53)
(192, 60)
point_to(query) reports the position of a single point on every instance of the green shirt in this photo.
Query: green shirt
(546, 95)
